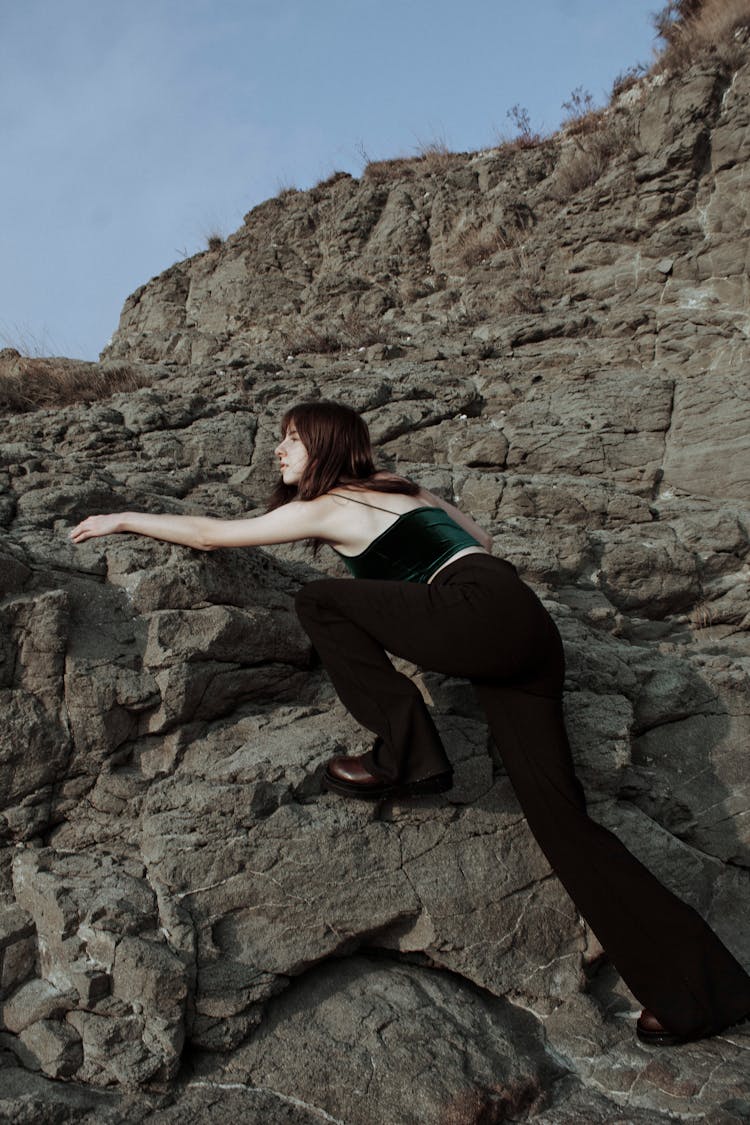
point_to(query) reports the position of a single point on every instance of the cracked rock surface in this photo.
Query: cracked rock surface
(190, 930)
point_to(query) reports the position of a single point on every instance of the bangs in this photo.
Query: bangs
(288, 422)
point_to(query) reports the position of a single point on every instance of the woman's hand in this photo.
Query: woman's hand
(188, 531)
(94, 526)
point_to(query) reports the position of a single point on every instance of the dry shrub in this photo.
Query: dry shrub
(214, 241)
(587, 123)
(582, 116)
(433, 158)
(35, 384)
(626, 80)
(385, 171)
(286, 191)
(436, 162)
(525, 136)
(312, 340)
(351, 330)
(476, 245)
(322, 189)
(702, 615)
(693, 30)
(357, 330)
(476, 311)
(334, 178)
(411, 289)
(525, 299)
(527, 293)
(591, 157)
(436, 148)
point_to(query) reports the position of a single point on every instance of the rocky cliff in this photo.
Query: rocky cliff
(555, 333)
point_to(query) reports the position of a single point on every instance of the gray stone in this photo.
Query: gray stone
(114, 1050)
(148, 973)
(29, 1098)
(17, 963)
(17, 946)
(229, 1002)
(36, 1000)
(708, 450)
(129, 1010)
(55, 1046)
(421, 1045)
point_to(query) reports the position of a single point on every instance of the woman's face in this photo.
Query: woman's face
(292, 455)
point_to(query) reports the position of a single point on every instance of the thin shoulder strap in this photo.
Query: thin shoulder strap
(364, 502)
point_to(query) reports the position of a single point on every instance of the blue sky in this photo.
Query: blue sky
(130, 132)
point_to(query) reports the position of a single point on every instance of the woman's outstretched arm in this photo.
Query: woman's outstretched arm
(300, 519)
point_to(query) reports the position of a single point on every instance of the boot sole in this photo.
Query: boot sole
(670, 1039)
(662, 1038)
(440, 783)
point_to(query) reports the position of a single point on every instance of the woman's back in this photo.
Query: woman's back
(371, 512)
(410, 540)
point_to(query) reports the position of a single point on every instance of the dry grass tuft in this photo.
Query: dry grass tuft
(433, 158)
(351, 330)
(527, 295)
(525, 299)
(329, 181)
(627, 79)
(599, 135)
(214, 241)
(385, 171)
(694, 30)
(476, 245)
(594, 150)
(702, 615)
(525, 136)
(286, 191)
(312, 340)
(36, 384)
(582, 116)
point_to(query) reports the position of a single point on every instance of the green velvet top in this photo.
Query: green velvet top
(412, 548)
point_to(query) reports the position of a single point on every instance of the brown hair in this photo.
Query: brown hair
(340, 453)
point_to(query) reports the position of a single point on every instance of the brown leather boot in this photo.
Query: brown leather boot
(349, 775)
(650, 1030)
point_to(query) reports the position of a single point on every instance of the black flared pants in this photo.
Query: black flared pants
(477, 619)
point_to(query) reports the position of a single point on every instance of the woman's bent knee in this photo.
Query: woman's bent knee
(310, 597)
(304, 600)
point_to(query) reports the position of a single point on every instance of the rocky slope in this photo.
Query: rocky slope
(557, 336)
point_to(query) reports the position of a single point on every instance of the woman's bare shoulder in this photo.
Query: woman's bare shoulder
(428, 497)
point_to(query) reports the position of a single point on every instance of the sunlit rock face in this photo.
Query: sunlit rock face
(556, 340)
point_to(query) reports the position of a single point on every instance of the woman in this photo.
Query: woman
(429, 590)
